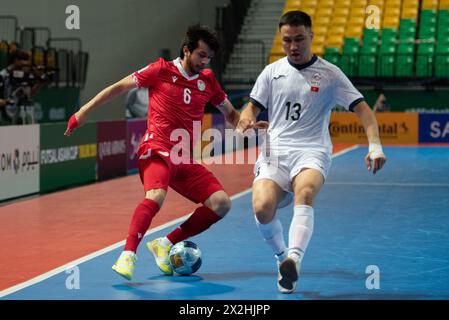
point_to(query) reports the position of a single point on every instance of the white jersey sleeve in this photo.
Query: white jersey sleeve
(260, 94)
(345, 94)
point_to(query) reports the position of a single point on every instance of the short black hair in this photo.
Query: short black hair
(196, 33)
(296, 18)
(18, 55)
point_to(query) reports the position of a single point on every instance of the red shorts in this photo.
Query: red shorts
(192, 181)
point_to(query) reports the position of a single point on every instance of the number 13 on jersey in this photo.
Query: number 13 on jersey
(295, 111)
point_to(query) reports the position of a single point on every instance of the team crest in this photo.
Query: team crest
(201, 85)
(316, 82)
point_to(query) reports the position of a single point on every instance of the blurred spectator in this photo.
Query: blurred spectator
(381, 104)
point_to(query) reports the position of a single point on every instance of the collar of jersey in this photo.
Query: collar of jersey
(304, 65)
(178, 65)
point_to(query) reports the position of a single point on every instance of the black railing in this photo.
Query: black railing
(8, 28)
(229, 21)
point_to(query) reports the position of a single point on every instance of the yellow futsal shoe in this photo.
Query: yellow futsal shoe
(161, 255)
(125, 264)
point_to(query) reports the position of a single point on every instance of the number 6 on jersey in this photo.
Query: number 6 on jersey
(187, 97)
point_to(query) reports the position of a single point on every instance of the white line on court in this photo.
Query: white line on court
(95, 254)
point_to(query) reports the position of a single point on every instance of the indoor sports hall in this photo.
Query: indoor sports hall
(66, 202)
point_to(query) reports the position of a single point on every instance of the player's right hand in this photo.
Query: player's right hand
(245, 124)
(75, 121)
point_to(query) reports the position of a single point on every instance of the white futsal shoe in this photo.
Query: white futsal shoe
(288, 274)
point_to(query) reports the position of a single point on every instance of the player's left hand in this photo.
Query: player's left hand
(375, 160)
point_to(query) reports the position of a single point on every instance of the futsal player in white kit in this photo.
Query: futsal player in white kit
(299, 92)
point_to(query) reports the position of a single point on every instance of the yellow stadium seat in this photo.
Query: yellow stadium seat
(376, 2)
(356, 21)
(340, 12)
(357, 12)
(342, 4)
(340, 30)
(318, 39)
(444, 5)
(277, 49)
(318, 49)
(359, 4)
(409, 13)
(338, 21)
(323, 21)
(324, 12)
(391, 22)
(354, 31)
(311, 11)
(293, 2)
(39, 58)
(334, 41)
(325, 4)
(319, 30)
(393, 3)
(429, 4)
(309, 3)
(410, 4)
(275, 57)
(392, 12)
(287, 9)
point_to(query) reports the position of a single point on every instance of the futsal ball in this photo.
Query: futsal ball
(185, 257)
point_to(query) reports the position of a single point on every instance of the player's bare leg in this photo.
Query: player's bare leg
(306, 186)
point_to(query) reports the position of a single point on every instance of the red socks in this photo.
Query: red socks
(140, 223)
(200, 220)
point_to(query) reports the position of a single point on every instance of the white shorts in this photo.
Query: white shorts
(285, 167)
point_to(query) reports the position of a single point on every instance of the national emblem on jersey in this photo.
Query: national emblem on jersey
(316, 81)
(201, 85)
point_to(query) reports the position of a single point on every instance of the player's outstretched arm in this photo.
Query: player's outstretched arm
(231, 114)
(375, 159)
(248, 119)
(107, 94)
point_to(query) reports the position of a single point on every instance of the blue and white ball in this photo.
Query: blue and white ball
(185, 257)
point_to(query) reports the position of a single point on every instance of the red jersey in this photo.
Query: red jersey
(176, 99)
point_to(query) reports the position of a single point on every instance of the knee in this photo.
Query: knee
(305, 196)
(157, 195)
(264, 211)
(220, 205)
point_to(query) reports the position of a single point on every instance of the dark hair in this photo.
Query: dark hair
(18, 55)
(196, 33)
(295, 18)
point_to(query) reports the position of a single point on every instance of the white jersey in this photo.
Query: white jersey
(299, 99)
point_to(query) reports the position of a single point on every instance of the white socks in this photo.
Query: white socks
(272, 233)
(300, 232)
(301, 229)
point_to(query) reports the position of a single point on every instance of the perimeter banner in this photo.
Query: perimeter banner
(434, 128)
(394, 128)
(19, 161)
(111, 156)
(67, 161)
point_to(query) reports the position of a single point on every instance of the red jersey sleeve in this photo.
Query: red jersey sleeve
(218, 95)
(146, 77)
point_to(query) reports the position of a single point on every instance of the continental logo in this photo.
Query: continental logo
(392, 130)
(63, 154)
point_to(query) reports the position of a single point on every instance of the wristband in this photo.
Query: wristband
(73, 123)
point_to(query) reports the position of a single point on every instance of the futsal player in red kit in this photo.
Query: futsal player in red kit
(178, 93)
